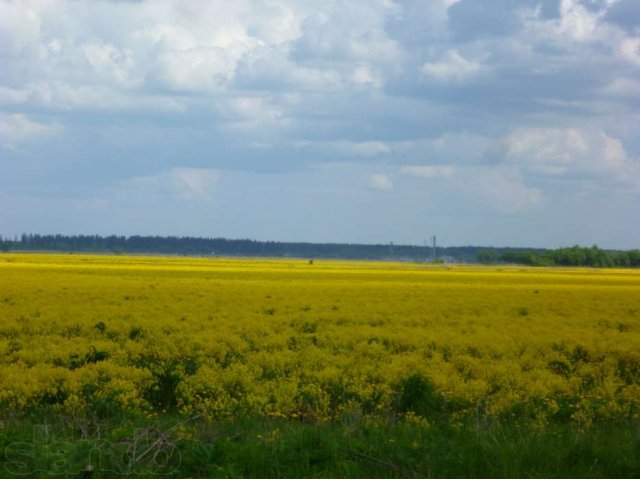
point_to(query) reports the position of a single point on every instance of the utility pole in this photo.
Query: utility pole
(433, 252)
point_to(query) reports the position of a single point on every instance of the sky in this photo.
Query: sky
(494, 122)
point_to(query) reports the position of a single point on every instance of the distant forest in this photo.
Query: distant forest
(573, 256)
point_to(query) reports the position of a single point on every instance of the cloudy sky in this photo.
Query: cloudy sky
(493, 122)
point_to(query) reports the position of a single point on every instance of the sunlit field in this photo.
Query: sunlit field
(211, 341)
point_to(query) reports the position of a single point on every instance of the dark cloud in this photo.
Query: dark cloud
(418, 24)
(472, 20)
(626, 14)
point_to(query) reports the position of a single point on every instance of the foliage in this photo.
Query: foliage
(230, 247)
(42, 445)
(574, 256)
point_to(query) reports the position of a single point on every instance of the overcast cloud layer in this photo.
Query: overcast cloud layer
(492, 122)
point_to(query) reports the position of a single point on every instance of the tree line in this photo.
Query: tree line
(175, 245)
(572, 256)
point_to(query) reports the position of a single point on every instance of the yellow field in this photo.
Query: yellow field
(283, 338)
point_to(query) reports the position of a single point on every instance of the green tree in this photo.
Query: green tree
(488, 256)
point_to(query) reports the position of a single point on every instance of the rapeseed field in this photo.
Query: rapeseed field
(245, 338)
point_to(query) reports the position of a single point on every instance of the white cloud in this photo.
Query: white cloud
(194, 183)
(11, 96)
(254, 114)
(445, 171)
(581, 32)
(186, 183)
(69, 97)
(20, 27)
(365, 149)
(452, 67)
(501, 189)
(270, 67)
(111, 64)
(16, 128)
(197, 70)
(630, 50)
(349, 31)
(567, 150)
(210, 49)
(199, 54)
(449, 148)
(622, 87)
(378, 181)
(371, 148)
(577, 21)
(364, 75)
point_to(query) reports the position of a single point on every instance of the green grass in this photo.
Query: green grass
(45, 444)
